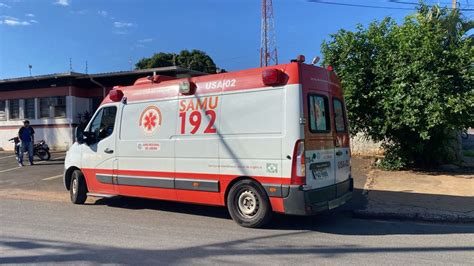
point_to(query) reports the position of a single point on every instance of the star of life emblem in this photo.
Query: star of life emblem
(150, 120)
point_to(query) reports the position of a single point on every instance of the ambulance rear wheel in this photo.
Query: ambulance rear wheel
(78, 188)
(248, 204)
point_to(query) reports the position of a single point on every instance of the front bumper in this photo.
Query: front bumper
(308, 202)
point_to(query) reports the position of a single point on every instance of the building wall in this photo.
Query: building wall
(57, 132)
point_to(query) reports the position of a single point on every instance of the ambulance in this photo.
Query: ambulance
(258, 141)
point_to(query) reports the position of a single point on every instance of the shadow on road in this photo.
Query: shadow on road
(62, 252)
(339, 221)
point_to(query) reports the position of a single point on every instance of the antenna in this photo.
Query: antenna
(70, 64)
(29, 68)
(268, 50)
(86, 68)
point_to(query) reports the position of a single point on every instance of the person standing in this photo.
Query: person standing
(27, 138)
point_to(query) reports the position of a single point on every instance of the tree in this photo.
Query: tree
(195, 60)
(409, 85)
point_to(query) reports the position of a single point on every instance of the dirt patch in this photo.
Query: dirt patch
(38, 195)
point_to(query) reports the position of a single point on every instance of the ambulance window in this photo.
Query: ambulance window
(103, 124)
(318, 114)
(339, 116)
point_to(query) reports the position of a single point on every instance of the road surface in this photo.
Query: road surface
(39, 226)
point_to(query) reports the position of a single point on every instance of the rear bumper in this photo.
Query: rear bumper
(307, 202)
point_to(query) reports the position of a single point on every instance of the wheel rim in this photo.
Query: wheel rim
(248, 203)
(74, 186)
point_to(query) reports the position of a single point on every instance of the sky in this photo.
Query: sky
(54, 36)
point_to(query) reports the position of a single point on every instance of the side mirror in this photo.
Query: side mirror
(88, 137)
(80, 134)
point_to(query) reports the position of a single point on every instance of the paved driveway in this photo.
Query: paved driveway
(43, 177)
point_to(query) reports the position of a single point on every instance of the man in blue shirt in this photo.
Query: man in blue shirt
(27, 138)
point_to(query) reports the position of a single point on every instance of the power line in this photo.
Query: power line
(378, 7)
(413, 3)
(358, 5)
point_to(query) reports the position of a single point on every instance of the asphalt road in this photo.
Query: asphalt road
(39, 225)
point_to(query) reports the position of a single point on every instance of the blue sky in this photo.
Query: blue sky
(109, 34)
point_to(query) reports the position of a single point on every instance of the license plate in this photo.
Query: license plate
(320, 174)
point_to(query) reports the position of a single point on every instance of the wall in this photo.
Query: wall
(360, 145)
(56, 138)
(57, 132)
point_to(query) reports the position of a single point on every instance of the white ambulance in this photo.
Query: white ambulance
(257, 141)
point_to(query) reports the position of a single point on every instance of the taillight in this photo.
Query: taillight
(298, 174)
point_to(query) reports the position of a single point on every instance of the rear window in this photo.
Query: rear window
(339, 116)
(318, 114)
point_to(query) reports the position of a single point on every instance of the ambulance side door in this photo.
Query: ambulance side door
(146, 157)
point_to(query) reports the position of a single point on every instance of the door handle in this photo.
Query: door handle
(339, 153)
(109, 151)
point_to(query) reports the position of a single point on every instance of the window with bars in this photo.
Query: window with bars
(14, 109)
(54, 107)
(3, 110)
(44, 107)
(59, 106)
(30, 110)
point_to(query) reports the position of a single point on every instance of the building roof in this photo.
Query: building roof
(109, 79)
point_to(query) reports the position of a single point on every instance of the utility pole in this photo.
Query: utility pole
(455, 4)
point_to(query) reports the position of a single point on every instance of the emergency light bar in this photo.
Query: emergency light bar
(116, 95)
(187, 87)
(273, 77)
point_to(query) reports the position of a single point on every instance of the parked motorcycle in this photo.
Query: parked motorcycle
(40, 149)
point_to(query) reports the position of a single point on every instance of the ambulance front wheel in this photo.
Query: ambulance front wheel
(78, 188)
(248, 204)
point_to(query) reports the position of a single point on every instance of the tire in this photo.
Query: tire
(78, 188)
(248, 204)
(43, 154)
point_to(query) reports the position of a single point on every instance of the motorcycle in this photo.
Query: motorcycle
(40, 149)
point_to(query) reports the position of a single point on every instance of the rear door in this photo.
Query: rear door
(319, 139)
(341, 151)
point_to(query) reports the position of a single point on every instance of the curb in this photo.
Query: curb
(415, 216)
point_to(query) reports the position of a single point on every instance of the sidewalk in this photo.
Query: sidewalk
(442, 197)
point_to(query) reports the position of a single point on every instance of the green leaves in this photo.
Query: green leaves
(195, 60)
(409, 85)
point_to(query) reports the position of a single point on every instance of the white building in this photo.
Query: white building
(56, 103)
